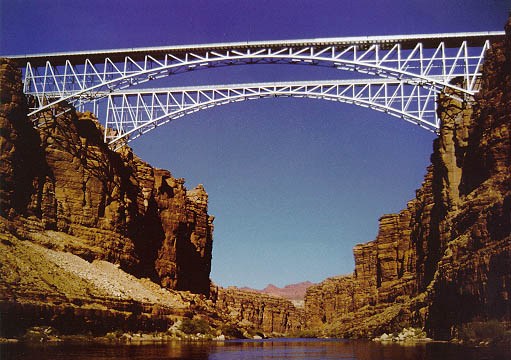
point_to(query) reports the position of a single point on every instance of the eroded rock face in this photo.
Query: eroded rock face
(474, 272)
(266, 313)
(446, 259)
(42, 286)
(17, 140)
(62, 177)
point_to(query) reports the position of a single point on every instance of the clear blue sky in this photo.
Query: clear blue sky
(294, 183)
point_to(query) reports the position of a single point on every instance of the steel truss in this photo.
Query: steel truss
(133, 113)
(433, 61)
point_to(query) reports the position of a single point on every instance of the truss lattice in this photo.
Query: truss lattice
(433, 60)
(133, 113)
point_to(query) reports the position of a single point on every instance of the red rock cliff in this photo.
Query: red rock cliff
(266, 313)
(62, 177)
(446, 259)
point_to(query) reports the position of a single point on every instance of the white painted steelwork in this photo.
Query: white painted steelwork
(431, 60)
(133, 113)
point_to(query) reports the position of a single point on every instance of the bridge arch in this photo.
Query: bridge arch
(131, 114)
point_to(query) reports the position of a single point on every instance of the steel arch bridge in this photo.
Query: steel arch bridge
(133, 113)
(399, 74)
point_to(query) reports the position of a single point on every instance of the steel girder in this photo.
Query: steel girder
(133, 113)
(433, 60)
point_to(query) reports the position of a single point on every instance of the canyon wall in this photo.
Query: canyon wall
(446, 259)
(267, 313)
(43, 286)
(60, 178)
(93, 240)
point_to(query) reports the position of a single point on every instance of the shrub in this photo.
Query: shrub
(233, 332)
(194, 326)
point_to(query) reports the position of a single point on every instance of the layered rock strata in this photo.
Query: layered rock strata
(62, 177)
(94, 240)
(63, 189)
(40, 286)
(446, 259)
(266, 313)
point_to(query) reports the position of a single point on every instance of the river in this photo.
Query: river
(311, 349)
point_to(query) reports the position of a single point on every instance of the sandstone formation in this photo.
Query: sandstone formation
(269, 314)
(64, 189)
(94, 240)
(445, 260)
(50, 287)
(62, 177)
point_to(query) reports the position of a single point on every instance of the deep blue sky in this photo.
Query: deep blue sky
(294, 184)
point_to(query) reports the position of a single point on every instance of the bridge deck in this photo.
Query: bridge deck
(406, 41)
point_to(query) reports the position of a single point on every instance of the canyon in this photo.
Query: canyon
(70, 207)
(93, 240)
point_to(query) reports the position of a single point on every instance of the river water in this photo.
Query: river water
(311, 349)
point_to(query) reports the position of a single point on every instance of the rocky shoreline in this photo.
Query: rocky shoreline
(405, 335)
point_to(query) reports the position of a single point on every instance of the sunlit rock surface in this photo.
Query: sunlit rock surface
(62, 177)
(63, 190)
(268, 313)
(446, 259)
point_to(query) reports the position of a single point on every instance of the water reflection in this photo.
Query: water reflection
(316, 349)
(311, 349)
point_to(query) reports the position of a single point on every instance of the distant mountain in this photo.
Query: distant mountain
(291, 292)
